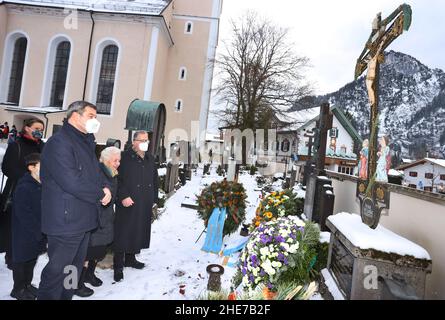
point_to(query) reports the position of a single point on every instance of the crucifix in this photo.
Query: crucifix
(309, 135)
(374, 196)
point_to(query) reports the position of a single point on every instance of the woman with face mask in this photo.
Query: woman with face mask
(14, 167)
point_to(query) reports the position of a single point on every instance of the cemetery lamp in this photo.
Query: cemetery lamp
(215, 271)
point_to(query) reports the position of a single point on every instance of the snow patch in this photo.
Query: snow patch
(380, 239)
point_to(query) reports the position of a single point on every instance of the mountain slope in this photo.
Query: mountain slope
(411, 104)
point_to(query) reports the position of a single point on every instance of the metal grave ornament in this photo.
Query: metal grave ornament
(373, 194)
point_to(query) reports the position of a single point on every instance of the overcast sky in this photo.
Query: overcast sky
(332, 34)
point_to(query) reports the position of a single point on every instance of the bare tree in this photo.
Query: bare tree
(259, 74)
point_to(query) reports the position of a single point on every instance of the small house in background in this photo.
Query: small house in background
(342, 142)
(426, 174)
(213, 148)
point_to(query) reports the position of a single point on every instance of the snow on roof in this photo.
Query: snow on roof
(380, 239)
(440, 162)
(210, 137)
(395, 173)
(146, 7)
(34, 109)
(297, 119)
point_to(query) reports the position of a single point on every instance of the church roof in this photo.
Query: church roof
(144, 7)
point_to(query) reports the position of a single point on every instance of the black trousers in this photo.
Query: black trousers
(97, 253)
(6, 235)
(120, 258)
(22, 273)
(61, 275)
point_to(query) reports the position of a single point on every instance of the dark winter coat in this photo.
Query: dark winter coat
(138, 179)
(13, 165)
(103, 235)
(72, 183)
(28, 242)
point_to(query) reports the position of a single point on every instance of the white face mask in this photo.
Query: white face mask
(143, 146)
(92, 126)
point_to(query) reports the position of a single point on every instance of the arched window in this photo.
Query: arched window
(17, 67)
(56, 72)
(107, 77)
(178, 105)
(285, 145)
(60, 74)
(188, 27)
(182, 73)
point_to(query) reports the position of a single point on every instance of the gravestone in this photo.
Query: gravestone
(231, 171)
(313, 196)
(374, 264)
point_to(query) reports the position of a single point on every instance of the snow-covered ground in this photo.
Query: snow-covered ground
(173, 258)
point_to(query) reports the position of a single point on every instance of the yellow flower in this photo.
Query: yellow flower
(269, 214)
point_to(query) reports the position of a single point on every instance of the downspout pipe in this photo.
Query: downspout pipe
(89, 55)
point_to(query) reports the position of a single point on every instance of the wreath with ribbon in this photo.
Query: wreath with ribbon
(228, 194)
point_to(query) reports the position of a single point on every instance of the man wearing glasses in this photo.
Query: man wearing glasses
(137, 192)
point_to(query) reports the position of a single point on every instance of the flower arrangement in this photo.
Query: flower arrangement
(276, 205)
(279, 251)
(230, 195)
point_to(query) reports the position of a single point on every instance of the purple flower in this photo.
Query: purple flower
(285, 261)
(280, 238)
(262, 272)
(281, 257)
(270, 285)
(251, 278)
(244, 271)
(264, 239)
(254, 260)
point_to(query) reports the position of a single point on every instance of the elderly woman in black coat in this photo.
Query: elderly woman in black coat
(103, 236)
(13, 167)
(28, 242)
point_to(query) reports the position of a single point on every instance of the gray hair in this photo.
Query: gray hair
(79, 107)
(137, 133)
(108, 152)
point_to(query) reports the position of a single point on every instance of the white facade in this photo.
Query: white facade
(344, 143)
(416, 176)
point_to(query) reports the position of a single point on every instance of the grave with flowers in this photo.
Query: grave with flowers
(279, 258)
(222, 206)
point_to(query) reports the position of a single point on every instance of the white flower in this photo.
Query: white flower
(285, 246)
(284, 233)
(264, 251)
(268, 268)
(245, 280)
(299, 222)
(276, 264)
(293, 248)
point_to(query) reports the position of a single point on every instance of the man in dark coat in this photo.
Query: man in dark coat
(137, 192)
(72, 191)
